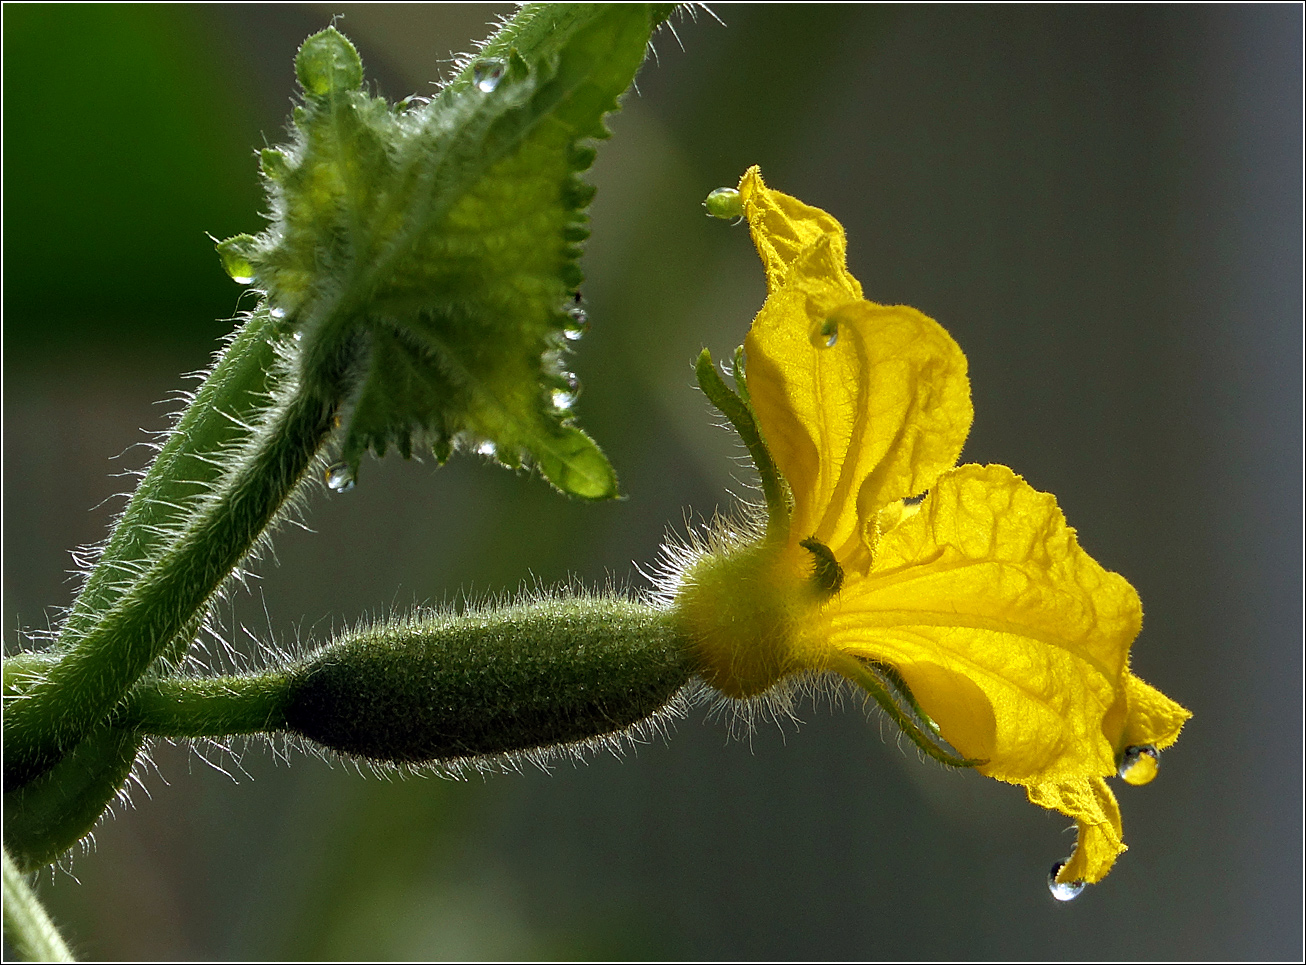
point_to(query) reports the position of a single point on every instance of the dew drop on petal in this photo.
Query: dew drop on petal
(1063, 891)
(1139, 764)
(487, 73)
(339, 477)
(826, 334)
(724, 203)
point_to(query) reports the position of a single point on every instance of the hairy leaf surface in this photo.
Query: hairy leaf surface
(435, 245)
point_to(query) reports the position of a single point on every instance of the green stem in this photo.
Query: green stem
(182, 473)
(28, 929)
(48, 815)
(83, 688)
(206, 706)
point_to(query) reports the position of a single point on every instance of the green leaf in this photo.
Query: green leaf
(435, 245)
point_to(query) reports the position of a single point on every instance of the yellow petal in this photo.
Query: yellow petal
(1153, 717)
(783, 227)
(1012, 638)
(1101, 837)
(853, 426)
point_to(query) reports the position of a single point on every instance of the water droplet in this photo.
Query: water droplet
(297, 336)
(1063, 891)
(339, 477)
(724, 203)
(578, 323)
(235, 255)
(277, 312)
(1139, 764)
(563, 400)
(487, 448)
(487, 73)
(826, 334)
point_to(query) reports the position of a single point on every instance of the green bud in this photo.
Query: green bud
(327, 62)
(440, 687)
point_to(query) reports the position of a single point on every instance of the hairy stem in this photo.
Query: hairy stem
(182, 472)
(28, 929)
(185, 707)
(82, 689)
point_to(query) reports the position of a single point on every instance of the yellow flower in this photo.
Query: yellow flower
(956, 595)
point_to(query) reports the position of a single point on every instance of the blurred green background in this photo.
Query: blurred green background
(1103, 205)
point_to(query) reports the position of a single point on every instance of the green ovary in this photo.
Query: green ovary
(744, 612)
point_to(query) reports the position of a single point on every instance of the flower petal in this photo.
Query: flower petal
(859, 424)
(783, 227)
(1012, 638)
(1101, 835)
(1153, 717)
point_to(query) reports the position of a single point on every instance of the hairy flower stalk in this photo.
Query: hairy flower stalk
(442, 688)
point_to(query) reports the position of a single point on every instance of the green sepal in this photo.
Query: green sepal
(736, 408)
(888, 689)
(447, 237)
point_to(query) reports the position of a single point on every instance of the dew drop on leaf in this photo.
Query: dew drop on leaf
(487, 73)
(487, 449)
(563, 400)
(339, 477)
(577, 325)
(277, 312)
(1063, 891)
(1139, 764)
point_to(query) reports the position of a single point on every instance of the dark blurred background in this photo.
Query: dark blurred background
(1103, 205)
